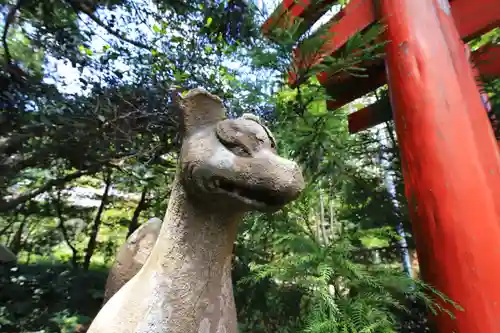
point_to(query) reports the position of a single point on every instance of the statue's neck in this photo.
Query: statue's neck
(190, 265)
(195, 235)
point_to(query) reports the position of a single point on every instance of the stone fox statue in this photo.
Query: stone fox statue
(227, 167)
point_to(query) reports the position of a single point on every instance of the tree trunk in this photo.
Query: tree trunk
(97, 223)
(134, 223)
(11, 221)
(16, 244)
(26, 243)
(64, 232)
(324, 237)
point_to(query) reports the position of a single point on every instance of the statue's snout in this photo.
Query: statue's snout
(281, 176)
(289, 179)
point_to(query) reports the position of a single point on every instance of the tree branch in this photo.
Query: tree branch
(78, 7)
(6, 205)
(134, 222)
(9, 19)
(64, 231)
(97, 222)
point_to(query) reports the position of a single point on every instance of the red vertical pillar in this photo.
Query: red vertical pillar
(451, 163)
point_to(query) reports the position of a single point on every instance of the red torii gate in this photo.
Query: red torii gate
(450, 157)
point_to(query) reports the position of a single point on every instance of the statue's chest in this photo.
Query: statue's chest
(172, 306)
(158, 310)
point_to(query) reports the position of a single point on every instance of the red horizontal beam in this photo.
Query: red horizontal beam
(475, 17)
(345, 87)
(290, 11)
(486, 60)
(309, 10)
(464, 24)
(365, 118)
(355, 17)
(358, 14)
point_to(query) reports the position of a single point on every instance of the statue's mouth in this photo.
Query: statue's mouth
(253, 195)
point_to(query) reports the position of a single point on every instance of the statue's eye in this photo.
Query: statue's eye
(228, 136)
(237, 148)
(243, 139)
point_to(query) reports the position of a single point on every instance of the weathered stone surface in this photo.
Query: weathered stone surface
(227, 167)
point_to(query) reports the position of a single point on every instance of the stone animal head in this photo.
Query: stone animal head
(233, 161)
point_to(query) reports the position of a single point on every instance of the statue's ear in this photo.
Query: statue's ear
(199, 108)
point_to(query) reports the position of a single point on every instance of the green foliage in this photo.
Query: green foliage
(30, 57)
(340, 290)
(48, 297)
